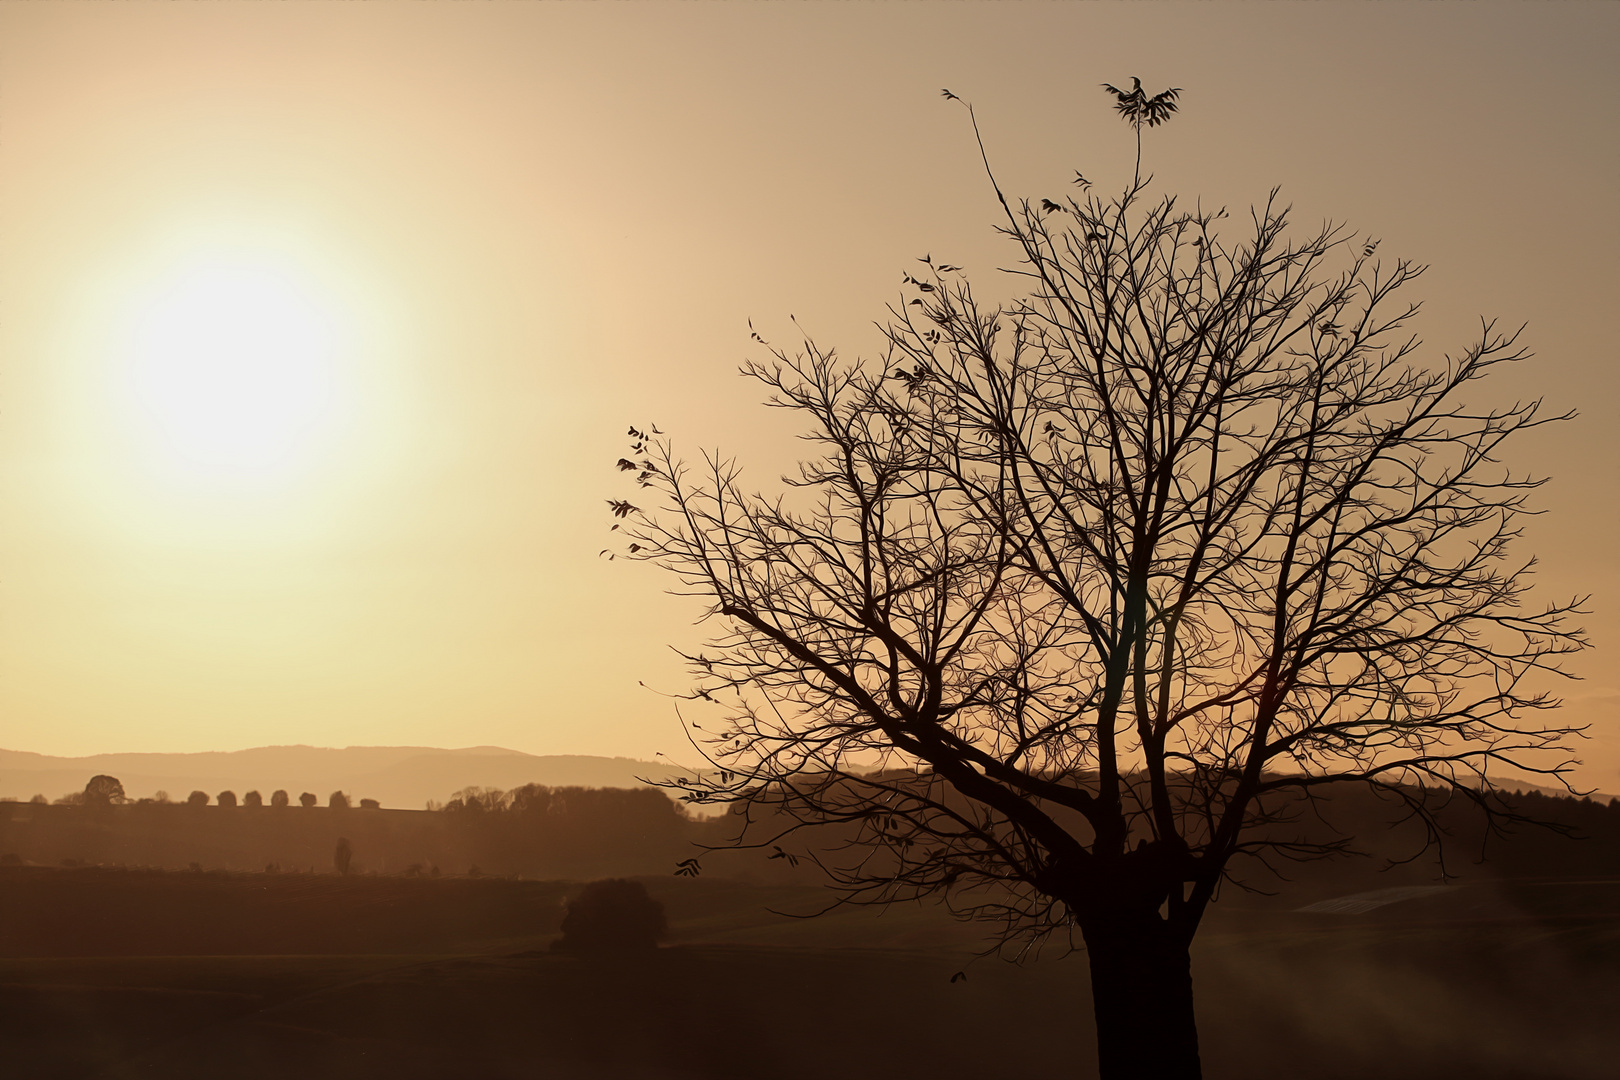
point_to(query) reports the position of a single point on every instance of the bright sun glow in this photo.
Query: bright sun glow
(233, 367)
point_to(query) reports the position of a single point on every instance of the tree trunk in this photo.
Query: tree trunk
(1141, 986)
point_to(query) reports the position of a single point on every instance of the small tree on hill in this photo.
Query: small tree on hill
(103, 790)
(197, 799)
(1110, 579)
(338, 801)
(253, 799)
(226, 798)
(279, 797)
(307, 799)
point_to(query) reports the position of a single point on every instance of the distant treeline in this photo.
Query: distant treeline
(534, 831)
(580, 833)
(113, 792)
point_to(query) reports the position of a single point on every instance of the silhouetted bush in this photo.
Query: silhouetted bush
(307, 799)
(197, 798)
(39, 800)
(370, 804)
(278, 797)
(338, 801)
(613, 915)
(342, 854)
(253, 798)
(226, 798)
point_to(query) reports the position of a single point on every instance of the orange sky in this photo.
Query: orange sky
(519, 228)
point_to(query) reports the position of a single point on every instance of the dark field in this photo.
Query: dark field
(110, 973)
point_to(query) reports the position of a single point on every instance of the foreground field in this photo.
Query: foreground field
(1515, 980)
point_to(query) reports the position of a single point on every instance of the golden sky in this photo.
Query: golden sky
(501, 233)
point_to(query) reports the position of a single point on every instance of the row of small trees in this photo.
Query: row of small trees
(336, 801)
(106, 790)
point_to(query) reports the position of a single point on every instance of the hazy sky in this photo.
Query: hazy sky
(498, 234)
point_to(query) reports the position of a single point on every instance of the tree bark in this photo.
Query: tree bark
(1141, 987)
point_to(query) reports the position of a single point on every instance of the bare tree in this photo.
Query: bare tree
(1076, 595)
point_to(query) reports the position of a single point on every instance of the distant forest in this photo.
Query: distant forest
(533, 831)
(578, 833)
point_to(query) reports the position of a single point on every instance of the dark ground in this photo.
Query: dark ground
(319, 976)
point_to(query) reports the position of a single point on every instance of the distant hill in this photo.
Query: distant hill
(403, 777)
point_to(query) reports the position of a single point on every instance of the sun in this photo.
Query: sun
(232, 371)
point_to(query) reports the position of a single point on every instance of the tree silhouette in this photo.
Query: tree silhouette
(197, 799)
(278, 797)
(307, 799)
(103, 790)
(1078, 595)
(253, 799)
(338, 801)
(226, 798)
